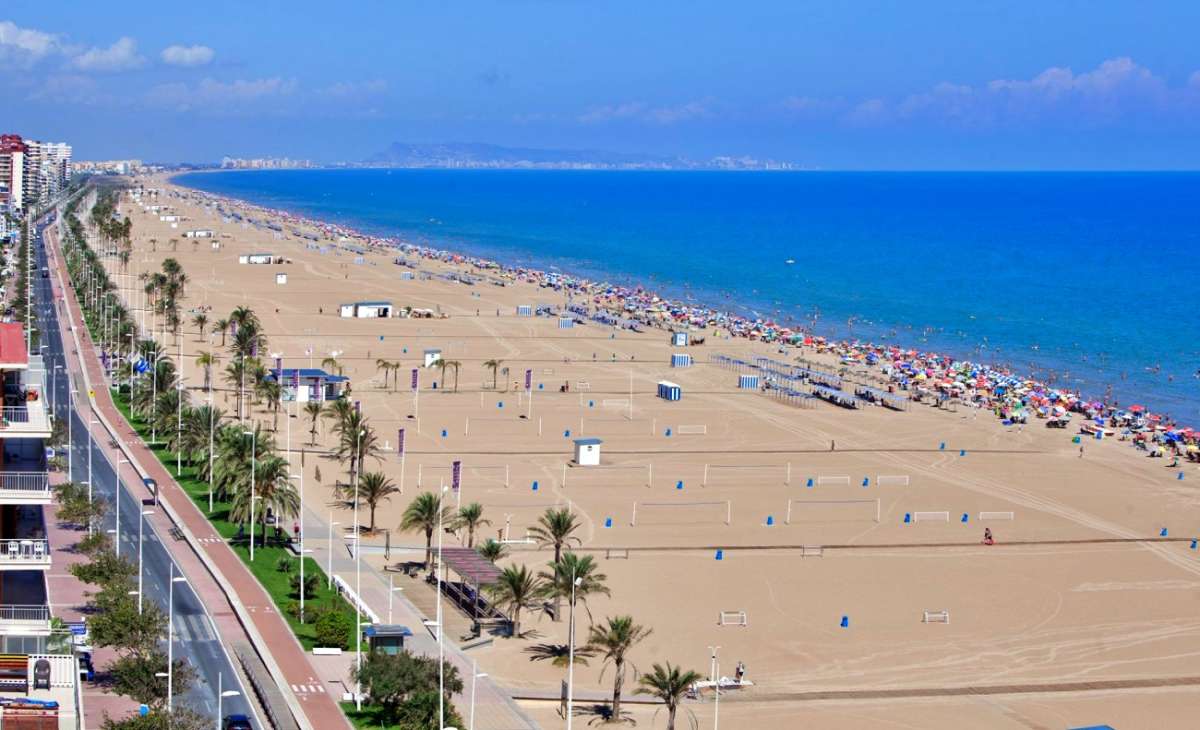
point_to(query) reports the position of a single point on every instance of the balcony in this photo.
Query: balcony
(24, 414)
(28, 554)
(25, 487)
(24, 608)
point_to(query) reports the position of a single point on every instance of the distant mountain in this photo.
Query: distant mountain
(478, 155)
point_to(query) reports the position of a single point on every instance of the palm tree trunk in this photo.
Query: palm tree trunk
(428, 548)
(617, 682)
(671, 717)
(371, 529)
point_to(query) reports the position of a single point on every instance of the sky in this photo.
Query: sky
(835, 85)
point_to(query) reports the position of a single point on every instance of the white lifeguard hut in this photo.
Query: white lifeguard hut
(432, 356)
(281, 278)
(587, 451)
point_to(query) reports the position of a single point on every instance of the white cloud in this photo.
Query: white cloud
(120, 56)
(640, 112)
(24, 46)
(187, 55)
(354, 89)
(213, 95)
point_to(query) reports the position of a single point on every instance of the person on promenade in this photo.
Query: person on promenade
(987, 536)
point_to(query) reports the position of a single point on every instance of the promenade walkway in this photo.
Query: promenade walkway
(241, 609)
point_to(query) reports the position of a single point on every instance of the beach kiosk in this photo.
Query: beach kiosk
(587, 451)
(257, 258)
(387, 638)
(314, 384)
(566, 323)
(524, 310)
(366, 310)
(679, 339)
(281, 279)
(681, 361)
(432, 356)
(669, 391)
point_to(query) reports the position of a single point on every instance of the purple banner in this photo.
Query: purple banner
(456, 475)
(279, 366)
(528, 380)
(357, 407)
(400, 442)
(414, 379)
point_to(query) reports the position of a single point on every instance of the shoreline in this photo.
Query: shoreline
(638, 304)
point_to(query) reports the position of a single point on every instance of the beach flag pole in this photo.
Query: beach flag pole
(416, 391)
(529, 393)
(403, 456)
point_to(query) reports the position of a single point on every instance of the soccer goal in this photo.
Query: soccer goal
(892, 480)
(682, 513)
(700, 429)
(831, 510)
(996, 516)
(833, 481)
(935, 617)
(931, 516)
(733, 618)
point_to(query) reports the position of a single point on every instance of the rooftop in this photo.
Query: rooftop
(289, 373)
(12, 346)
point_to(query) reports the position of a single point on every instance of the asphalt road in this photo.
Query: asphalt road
(195, 637)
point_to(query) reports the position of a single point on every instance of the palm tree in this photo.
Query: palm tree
(516, 588)
(424, 513)
(313, 410)
(332, 365)
(198, 423)
(207, 360)
(556, 527)
(272, 393)
(494, 365)
(231, 473)
(668, 684)
(274, 487)
(457, 366)
(386, 367)
(356, 440)
(441, 365)
(222, 325)
(492, 550)
(200, 321)
(615, 639)
(374, 487)
(562, 577)
(470, 516)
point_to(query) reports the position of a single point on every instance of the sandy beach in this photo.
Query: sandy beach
(1082, 613)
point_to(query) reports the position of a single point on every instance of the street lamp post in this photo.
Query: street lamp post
(141, 533)
(329, 569)
(441, 645)
(117, 499)
(392, 588)
(715, 668)
(70, 434)
(575, 582)
(91, 447)
(212, 413)
(253, 449)
(357, 573)
(475, 674)
(171, 634)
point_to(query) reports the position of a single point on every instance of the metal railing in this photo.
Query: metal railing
(25, 613)
(25, 551)
(29, 483)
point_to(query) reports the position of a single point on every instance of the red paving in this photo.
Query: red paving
(319, 708)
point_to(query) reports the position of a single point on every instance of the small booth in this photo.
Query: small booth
(281, 279)
(198, 233)
(387, 638)
(566, 323)
(681, 361)
(679, 339)
(748, 382)
(432, 356)
(587, 451)
(669, 391)
(524, 310)
(406, 276)
(366, 310)
(309, 384)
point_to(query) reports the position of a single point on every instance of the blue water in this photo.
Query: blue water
(1091, 278)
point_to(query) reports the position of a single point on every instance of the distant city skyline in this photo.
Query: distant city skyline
(868, 85)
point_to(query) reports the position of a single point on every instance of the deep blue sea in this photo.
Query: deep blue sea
(1093, 278)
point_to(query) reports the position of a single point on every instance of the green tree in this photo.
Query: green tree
(668, 684)
(179, 718)
(399, 685)
(207, 360)
(313, 410)
(560, 579)
(615, 638)
(333, 628)
(134, 676)
(556, 527)
(200, 321)
(471, 517)
(310, 584)
(374, 487)
(274, 492)
(517, 589)
(492, 550)
(424, 513)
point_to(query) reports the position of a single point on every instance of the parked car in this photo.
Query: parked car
(236, 722)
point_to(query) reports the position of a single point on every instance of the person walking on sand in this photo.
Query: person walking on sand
(987, 536)
(832, 445)
(1080, 451)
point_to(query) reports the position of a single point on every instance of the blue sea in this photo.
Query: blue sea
(1090, 278)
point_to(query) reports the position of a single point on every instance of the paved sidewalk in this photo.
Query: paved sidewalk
(240, 608)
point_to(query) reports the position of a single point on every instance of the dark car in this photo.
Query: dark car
(236, 722)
